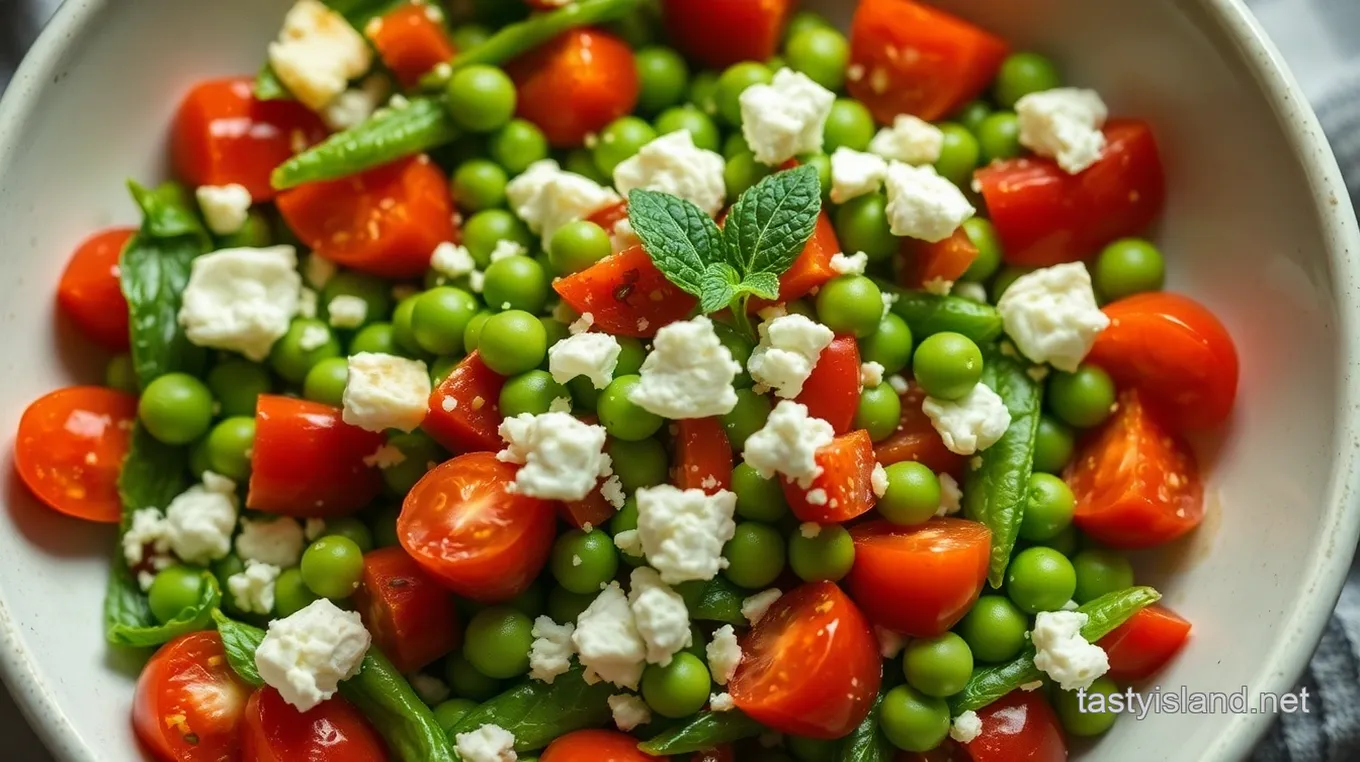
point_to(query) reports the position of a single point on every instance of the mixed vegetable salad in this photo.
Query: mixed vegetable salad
(619, 380)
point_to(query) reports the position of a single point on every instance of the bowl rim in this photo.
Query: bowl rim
(1326, 572)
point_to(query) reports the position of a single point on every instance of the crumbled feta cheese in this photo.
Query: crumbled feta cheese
(786, 117)
(547, 198)
(318, 53)
(879, 480)
(276, 541)
(810, 529)
(581, 324)
(593, 355)
(721, 702)
(489, 743)
(355, 105)
(855, 264)
(307, 303)
(318, 271)
(969, 424)
(429, 688)
(1063, 124)
(855, 173)
(951, 497)
(966, 728)
(560, 405)
(660, 615)
(910, 139)
(1070, 606)
(347, 311)
(898, 384)
(148, 528)
(607, 640)
(225, 207)
(938, 286)
(816, 497)
(871, 374)
(673, 164)
(724, 654)
(689, 373)
(306, 655)
(506, 248)
(313, 528)
(682, 532)
(386, 456)
(890, 644)
(889, 299)
(1063, 654)
(552, 649)
(241, 300)
(757, 606)
(973, 292)
(625, 237)
(628, 541)
(314, 336)
(386, 392)
(1052, 315)
(253, 589)
(199, 522)
(452, 261)
(562, 457)
(787, 353)
(923, 205)
(788, 444)
(629, 711)
(612, 491)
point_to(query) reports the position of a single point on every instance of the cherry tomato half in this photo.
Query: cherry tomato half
(1020, 726)
(595, 746)
(576, 84)
(189, 702)
(1141, 646)
(70, 448)
(90, 292)
(333, 731)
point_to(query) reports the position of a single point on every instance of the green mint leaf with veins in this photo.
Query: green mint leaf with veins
(763, 285)
(679, 237)
(771, 223)
(719, 284)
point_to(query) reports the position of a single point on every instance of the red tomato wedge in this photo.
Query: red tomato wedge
(845, 484)
(465, 412)
(90, 292)
(411, 40)
(610, 216)
(307, 462)
(703, 456)
(411, 616)
(189, 703)
(1173, 350)
(463, 525)
(626, 295)
(592, 510)
(595, 746)
(944, 262)
(811, 665)
(916, 439)
(719, 33)
(919, 580)
(576, 84)
(832, 391)
(1136, 481)
(1020, 726)
(334, 731)
(1045, 216)
(70, 448)
(910, 58)
(812, 268)
(384, 222)
(222, 135)
(1140, 647)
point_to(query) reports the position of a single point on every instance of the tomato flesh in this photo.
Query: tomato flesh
(91, 292)
(465, 412)
(919, 580)
(576, 84)
(703, 456)
(410, 615)
(626, 295)
(719, 33)
(844, 489)
(1018, 726)
(1141, 646)
(917, 439)
(924, 263)
(832, 391)
(189, 703)
(70, 448)
(411, 41)
(334, 731)
(595, 746)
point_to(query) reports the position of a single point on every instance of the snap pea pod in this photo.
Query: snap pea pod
(240, 641)
(536, 712)
(706, 730)
(928, 314)
(717, 600)
(404, 721)
(995, 493)
(1103, 615)
(866, 743)
(388, 135)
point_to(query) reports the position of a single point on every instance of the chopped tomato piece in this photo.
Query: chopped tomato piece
(189, 702)
(919, 580)
(1173, 350)
(465, 412)
(1136, 481)
(595, 746)
(70, 448)
(832, 391)
(384, 222)
(222, 135)
(703, 456)
(411, 616)
(1141, 646)
(626, 295)
(1045, 216)
(463, 524)
(307, 462)
(592, 510)
(844, 489)
(916, 439)
(411, 40)
(1019, 726)
(334, 731)
(924, 264)
(91, 293)
(811, 666)
(576, 84)
(610, 216)
(719, 33)
(910, 58)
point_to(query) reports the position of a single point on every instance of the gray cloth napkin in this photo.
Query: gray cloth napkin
(1321, 41)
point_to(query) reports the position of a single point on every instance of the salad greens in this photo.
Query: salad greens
(866, 743)
(928, 314)
(704, 731)
(536, 712)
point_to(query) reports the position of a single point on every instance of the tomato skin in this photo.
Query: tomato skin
(922, 262)
(832, 391)
(1045, 216)
(919, 580)
(456, 420)
(1141, 646)
(308, 463)
(410, 42)
(1136, 481)
(846, 479)
(222, 135)
(626, 295)
(916, 439)
(595, 746)
(464, 526)
(189, 703)
(576, 84)
(91, 293)
(70, 447)
(592, 509)
(334, 731)
(1176, 352)
(411, 616)
(703, 456)
(918, 60)
(384, 222)
(1019, 727)
(719, 33)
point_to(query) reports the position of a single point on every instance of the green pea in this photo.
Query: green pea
(999, 136)
(1098, 572)
(972, 115)
(913, 721)
(850, 304)
(401, 325)
(498, 641)
(879, 412)
(811, 749)
(472, 333)
(468, 36)
(198, 458)
(1040, 579)
(826, 556)
(775, 63)
(450, 712)
(582, 561)
(512, 342)
(256, 233)
(1129, 266)
(632, 354)
(517, 283)
(639, 463)
(481, 98)
(822, 54)
(308, 342)
(484, 231)
(566, 606)
(378, 338)
(584, 395)
(120, 374)
(577, 246)
(743, 172)
(375, 292)
(531, 392)
(581, 161)
(734, 82)
(822, 163)
(889, 346)
(1003, 279)
(383, 524)
(1024, 73)
(678, 689)
(174, 590)
(1082, 399)
(531, 602)
(983, 235)
(663, 78)
(1048, 509)
(351, 529)
(439, 318)
(746, 418)
(224, 569)
(994, 629)
(1053, 445)
(229, 446)
(1082, 713)
(467, 681)
(734, 146)
(623, 418)
(947, 365)
(958, 155)
(703, 92)
(913, 494)
(237, 384)
(480, 184)
(740, 346)
(862, 224)
(619, 141)
(849, 125)
(1065, 542)
(688, 117)
(517, 145)
(176, 408)
(291, 594)
(758, 499)
(418, 451)
(755, 555)
(332, 567)
(557, 331)
(325, 382)
(938, 666)
(804, 20)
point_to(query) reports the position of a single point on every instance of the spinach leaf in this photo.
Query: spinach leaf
(866, 743)
(706, 730)
(400, 717)
(240, 641)
(928, 314)
(536, 713)
(196, 617)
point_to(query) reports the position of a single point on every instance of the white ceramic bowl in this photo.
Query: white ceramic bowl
(1257, 226)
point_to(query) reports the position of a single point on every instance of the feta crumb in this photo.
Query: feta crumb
(1063, 124)
(253, 589)
(562, 457)
(489, 743)
(810, 529)
(355, 105)
(673, 164)
(855, 173)
(951, 497)
(628, 542)
(429, 688)
(852, 265)
(386, 456)
(890, 644)
(879, 480)
(966, 728)
(786, 117)
(241, 300)
(306, 655)
(910, 139)
(452, 261)
(721, 702)
(386, 392)
(682, 532)
(318, 271)
(277, 541)
(787, 353)
(347, 311)
(970, 424)
(1031, 686)
(871, 374)
(593, 355)
(629, 711)
(973, 292)
(313, 528)
(724, 654)
(148, 528)
(560, 405)
(552, 649)
(816, 497)
(548, 198)
(938, 286)
(318, 53)
(898, 384)
(581, 324)
(313, 336)
(688, 374)
(506, 248)
(788, 444)
(307, 303)
(755, 607)
(1070, 606)
(889, 299)
(1063, 654)
(1052, 315)
(660, 614)
(612, 491)
(607, 640)
(923, 205)
(225, 207)
(199, 521)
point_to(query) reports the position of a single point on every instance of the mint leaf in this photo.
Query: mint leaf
(681, 240)
(772, 222)
(719, 287)
(763, 285)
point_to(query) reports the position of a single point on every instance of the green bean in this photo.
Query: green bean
(536, 712)
(706, 730)
(929, 314)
